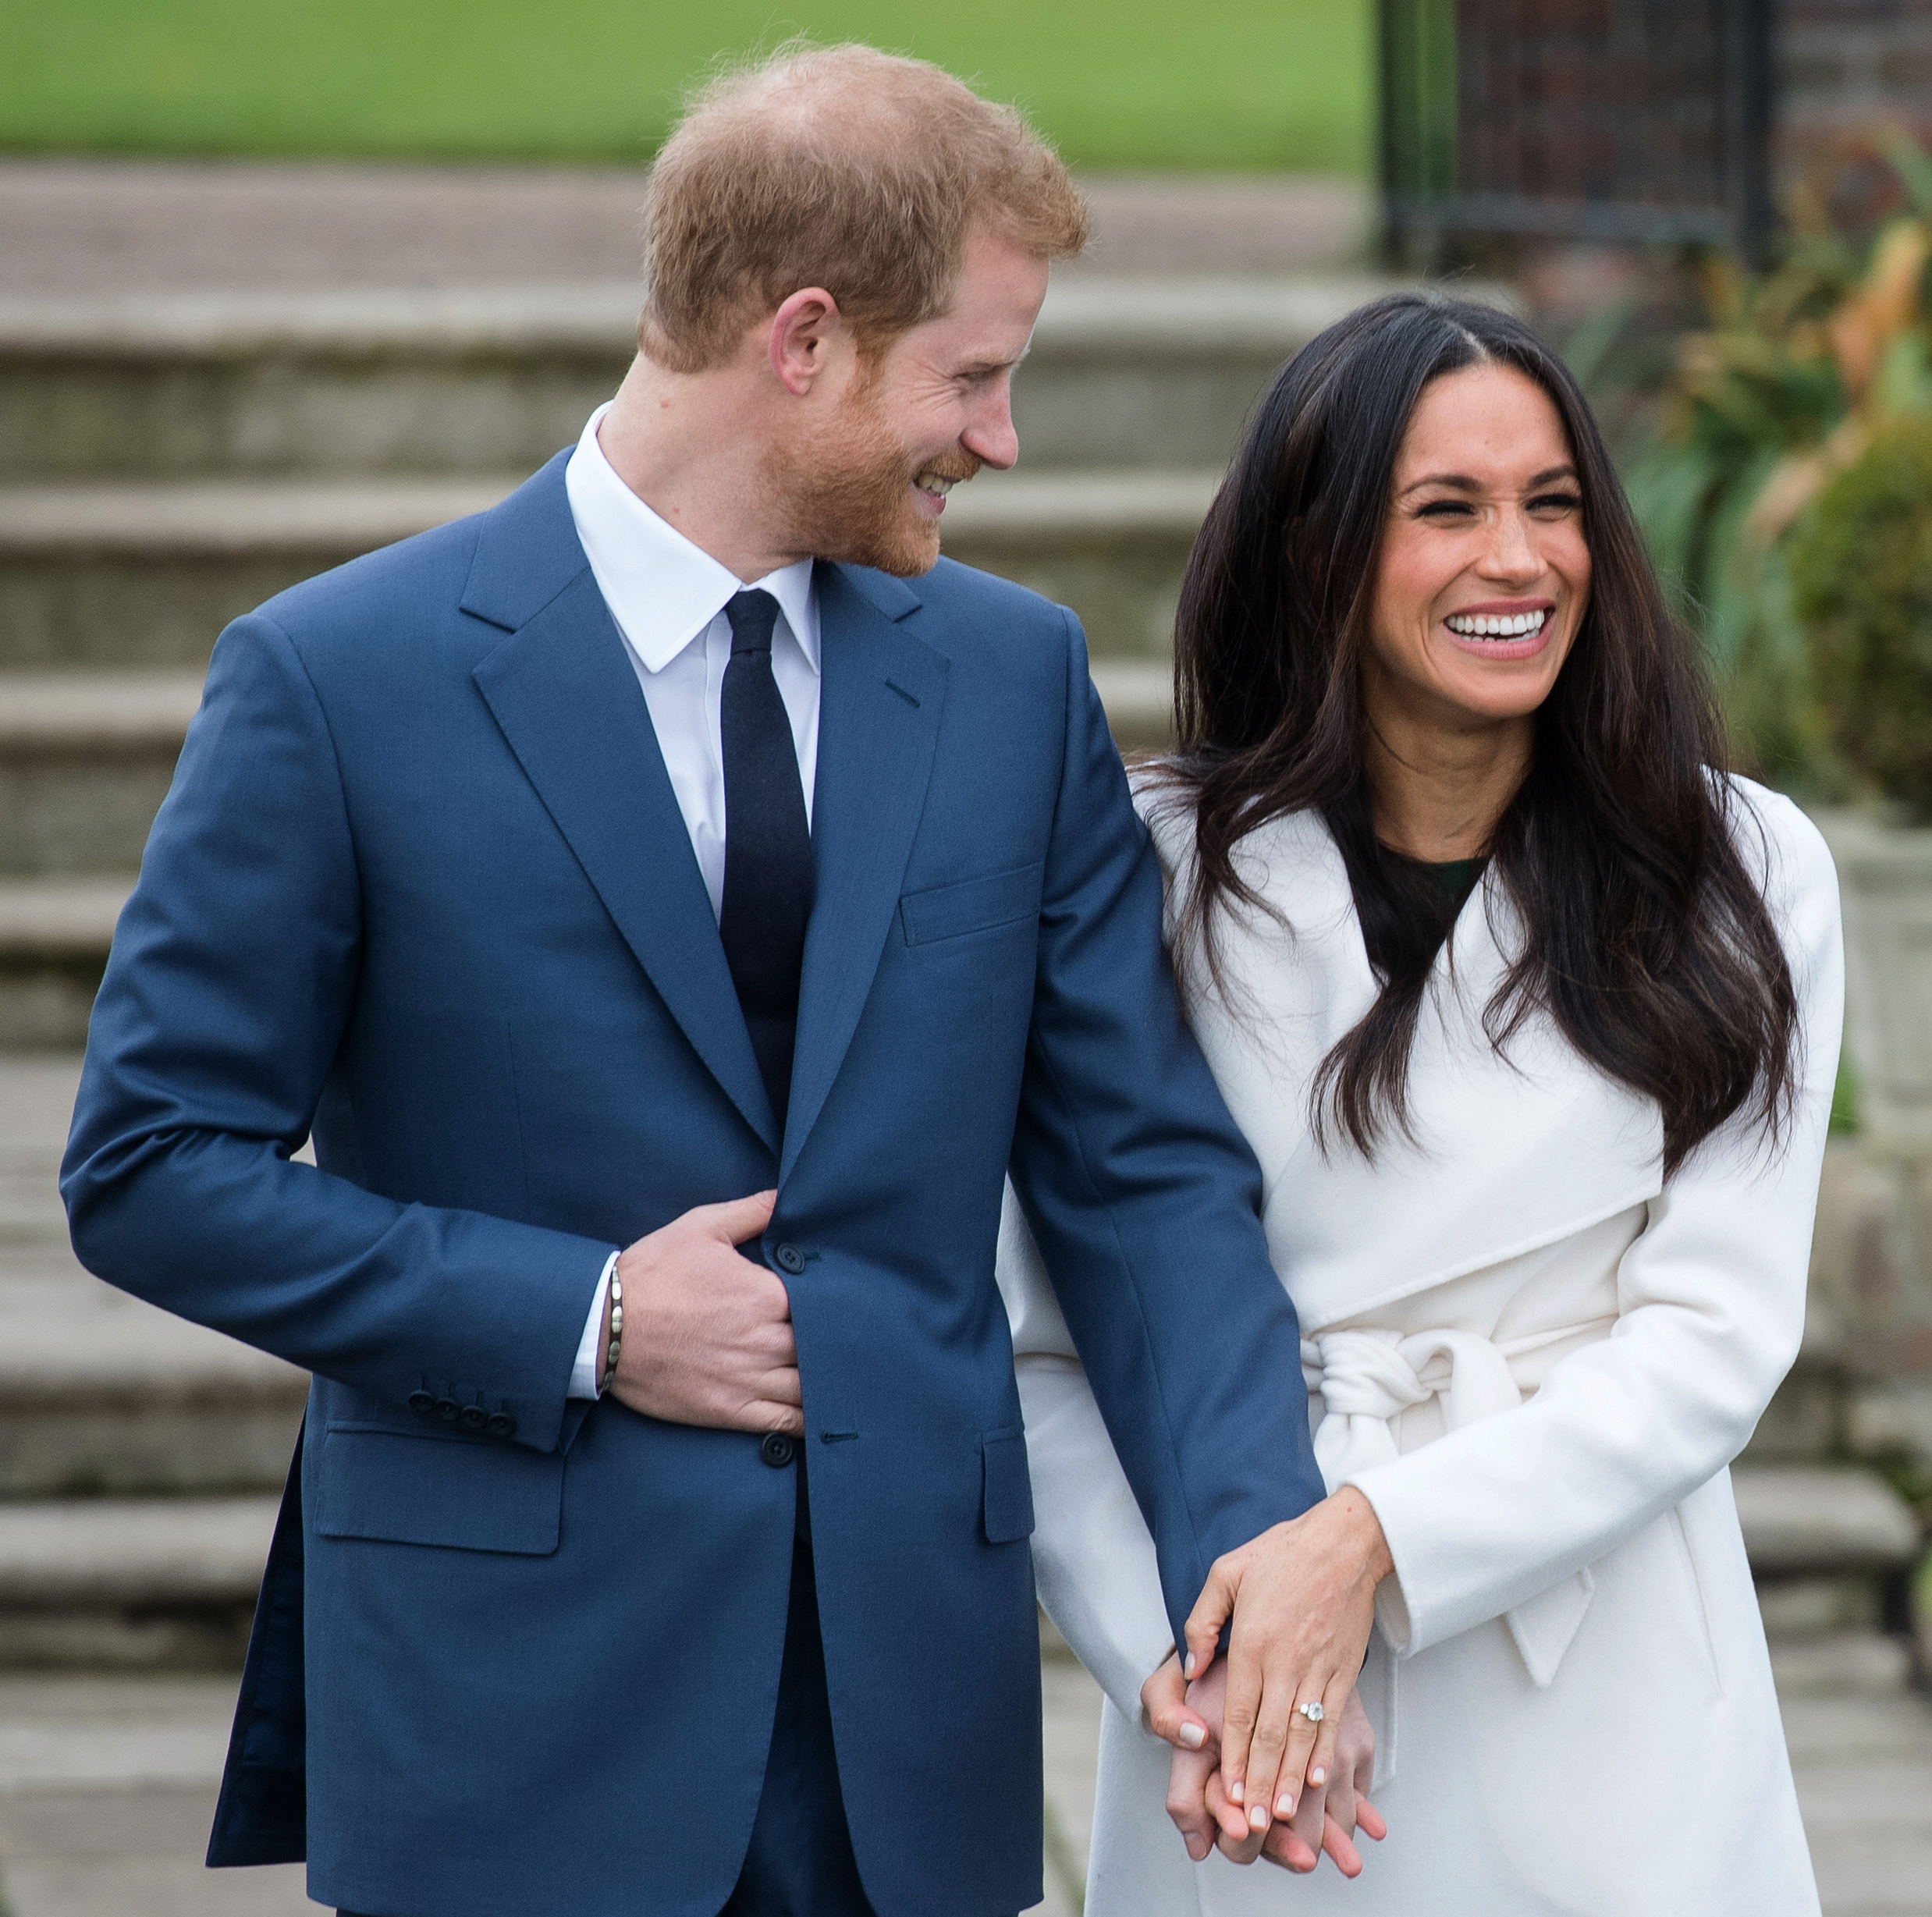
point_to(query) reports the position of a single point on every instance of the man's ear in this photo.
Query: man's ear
(804, 334)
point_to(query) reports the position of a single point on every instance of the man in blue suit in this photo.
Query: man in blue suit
(670, 902)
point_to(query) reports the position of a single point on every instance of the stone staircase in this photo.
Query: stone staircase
(139, 1454)
(167, 463)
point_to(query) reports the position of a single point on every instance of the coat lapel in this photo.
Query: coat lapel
(564, 692)
(879, 700)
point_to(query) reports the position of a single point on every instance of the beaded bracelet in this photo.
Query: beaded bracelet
(616, 1331)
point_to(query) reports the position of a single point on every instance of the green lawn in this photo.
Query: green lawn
(1229, 84)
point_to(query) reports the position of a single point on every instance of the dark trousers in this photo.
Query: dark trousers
(800, 1863)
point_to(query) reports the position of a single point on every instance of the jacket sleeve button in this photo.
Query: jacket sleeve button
(790, 1259)
(502, 1424)
(447, 1409)
(422, 1403)
(777, 1450)
(473, 1417)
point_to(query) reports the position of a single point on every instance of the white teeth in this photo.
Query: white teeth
(1495, 626)
(931, 482)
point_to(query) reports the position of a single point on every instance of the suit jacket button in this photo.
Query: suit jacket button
(422, 1403)
(447, 1409)
(474, 1417)
(790, 1259)
(777, 1450)
(502, 1424)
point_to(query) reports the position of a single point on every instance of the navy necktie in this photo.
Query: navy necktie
(767, 846)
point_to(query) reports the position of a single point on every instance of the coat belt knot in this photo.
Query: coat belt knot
(1367, 1378)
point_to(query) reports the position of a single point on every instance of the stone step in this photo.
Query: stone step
(127, 1584)
(1825, 1541)
(171, 1582)
(54, 939)
(144, 577)
(85, 761)
(103, 1394)
(1799, 1519)
(1122, 372)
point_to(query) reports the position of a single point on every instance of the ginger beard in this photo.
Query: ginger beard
(844, 492)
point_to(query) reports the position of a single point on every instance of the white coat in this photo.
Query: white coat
(1536, 1357)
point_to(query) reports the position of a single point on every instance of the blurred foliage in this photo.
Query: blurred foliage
(1844, 1095)
(1798, 372)
(1860, 566)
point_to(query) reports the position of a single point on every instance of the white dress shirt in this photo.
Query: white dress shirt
(668, 597)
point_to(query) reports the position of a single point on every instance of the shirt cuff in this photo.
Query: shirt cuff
(590, 1351)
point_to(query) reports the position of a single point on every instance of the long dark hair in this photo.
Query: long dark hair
(1647, 938)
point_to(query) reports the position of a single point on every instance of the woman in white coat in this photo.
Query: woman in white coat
(1532, 1017)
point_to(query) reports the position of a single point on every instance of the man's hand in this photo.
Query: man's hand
(1302, 1598)
(1190, 1718)
(708, 1335)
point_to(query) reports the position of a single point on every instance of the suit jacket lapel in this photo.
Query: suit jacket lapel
(879, 699)
(564, 692)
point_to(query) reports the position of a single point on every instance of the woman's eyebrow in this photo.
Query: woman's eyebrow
(1461, 482)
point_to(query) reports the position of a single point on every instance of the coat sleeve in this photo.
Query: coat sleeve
(227, 993)
(1711, 1307)
(1093, 1556)
(1145, 1199)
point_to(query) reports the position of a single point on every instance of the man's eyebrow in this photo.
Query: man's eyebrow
(976, 368)
(1461, 482)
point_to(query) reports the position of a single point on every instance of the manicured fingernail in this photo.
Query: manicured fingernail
(1318, 1775)
(1193, 1736)
(1284, 1805)
(1258, 1818)
(1186, 1666)
(1235, 1790)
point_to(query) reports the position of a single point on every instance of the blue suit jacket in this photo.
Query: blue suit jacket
(421, 890)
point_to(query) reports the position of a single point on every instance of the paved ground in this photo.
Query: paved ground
(107, 226)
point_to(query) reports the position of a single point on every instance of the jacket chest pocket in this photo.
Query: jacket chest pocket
(954, 911)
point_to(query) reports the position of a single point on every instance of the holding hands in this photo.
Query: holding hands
(1294, 1749)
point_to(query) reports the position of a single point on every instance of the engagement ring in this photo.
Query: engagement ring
(1313, 1713)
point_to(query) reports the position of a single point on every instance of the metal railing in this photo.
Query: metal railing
(1614, 120)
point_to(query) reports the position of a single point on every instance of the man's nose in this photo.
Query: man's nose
(990, 435)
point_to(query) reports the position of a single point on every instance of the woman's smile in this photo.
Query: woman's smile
(1502, 628)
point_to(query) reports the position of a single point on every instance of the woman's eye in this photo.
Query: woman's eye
(1555, 503)
(1447, 509)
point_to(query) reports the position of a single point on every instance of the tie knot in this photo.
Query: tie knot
(752, 616)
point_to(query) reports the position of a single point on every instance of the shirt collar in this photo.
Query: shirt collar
(663, 591)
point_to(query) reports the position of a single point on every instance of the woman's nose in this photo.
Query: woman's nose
(1511, 552)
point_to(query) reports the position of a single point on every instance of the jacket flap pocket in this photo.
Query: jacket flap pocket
(972, 905)
(1009, 1508)
(469, 1496)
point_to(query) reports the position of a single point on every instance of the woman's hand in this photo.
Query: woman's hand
(1302, 1600)
(1189, 1716)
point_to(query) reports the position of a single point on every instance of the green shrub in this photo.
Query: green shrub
(1861, 574)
